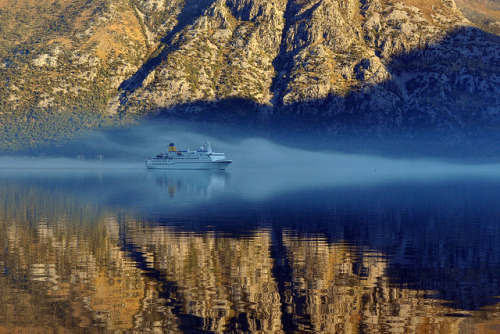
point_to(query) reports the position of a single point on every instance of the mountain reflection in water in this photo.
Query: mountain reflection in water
(138, 250)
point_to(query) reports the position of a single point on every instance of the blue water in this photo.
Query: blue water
(367, 249)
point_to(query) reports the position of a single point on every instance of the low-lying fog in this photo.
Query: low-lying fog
(259, 165)
(257, 162)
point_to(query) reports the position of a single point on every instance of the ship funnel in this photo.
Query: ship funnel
(171, 147)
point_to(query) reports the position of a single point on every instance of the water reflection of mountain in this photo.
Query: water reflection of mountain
(338, 260)
(175, 282)
(438, 237)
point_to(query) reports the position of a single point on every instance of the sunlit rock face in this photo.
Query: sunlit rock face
(226, 52)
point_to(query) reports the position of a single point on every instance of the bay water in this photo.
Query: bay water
(351, 245)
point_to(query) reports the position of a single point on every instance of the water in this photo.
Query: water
(372, 250)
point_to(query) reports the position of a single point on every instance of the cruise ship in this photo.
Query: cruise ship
(204, 158)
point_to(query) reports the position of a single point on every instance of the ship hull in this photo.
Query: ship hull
(194, 165)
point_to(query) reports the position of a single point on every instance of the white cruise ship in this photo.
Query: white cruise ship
(204, 158)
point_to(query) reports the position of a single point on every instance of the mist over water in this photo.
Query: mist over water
(260, 166)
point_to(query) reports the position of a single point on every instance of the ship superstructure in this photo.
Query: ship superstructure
(204, 158)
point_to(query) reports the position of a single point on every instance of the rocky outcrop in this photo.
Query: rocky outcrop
(227, 52)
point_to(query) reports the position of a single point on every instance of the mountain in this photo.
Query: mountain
(376, 64)
(379, 63)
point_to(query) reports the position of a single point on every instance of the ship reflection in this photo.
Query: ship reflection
(202, 184)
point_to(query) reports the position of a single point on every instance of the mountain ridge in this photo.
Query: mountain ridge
(396, 62)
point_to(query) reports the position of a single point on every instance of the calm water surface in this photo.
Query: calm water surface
(132, 250)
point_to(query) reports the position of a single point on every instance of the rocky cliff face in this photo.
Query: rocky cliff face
(226, 52)
(384, 63)
(380, 63)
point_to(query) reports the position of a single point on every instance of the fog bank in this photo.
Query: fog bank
(260, 167)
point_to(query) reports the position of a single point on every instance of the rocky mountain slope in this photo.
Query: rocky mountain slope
(381, 64)
(484, 13)
(67, 54)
